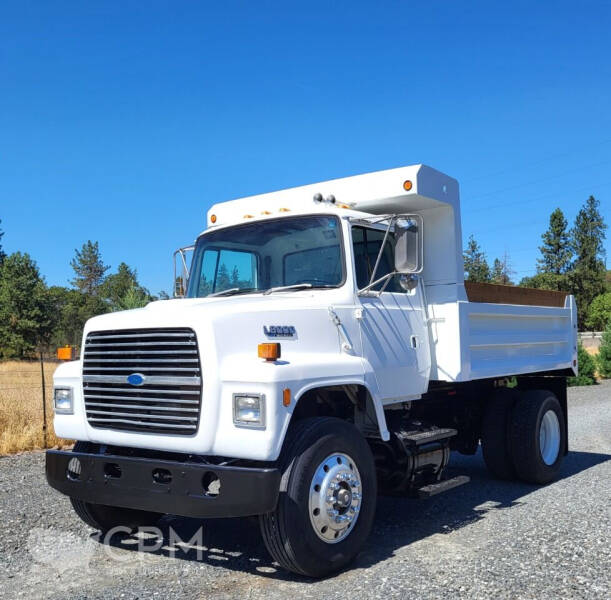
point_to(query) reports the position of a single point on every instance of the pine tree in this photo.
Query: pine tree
(25, 307)
(2, 253)
(88, 268)
(222, 279)
(587, 278)
(235, 277)
(475, 264)
(117, 286)
(501, 271)
(556, 250)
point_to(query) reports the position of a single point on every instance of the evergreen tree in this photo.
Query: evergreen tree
(88, 268)
(2, 253)
(134, 297)
(501, 271)
(587, 278)
(222, 279)
(556, 250)
(604, 354)
(235, 277)
(475, 264)
(25, 307)
(117, 286)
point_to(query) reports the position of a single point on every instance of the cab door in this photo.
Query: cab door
(394, 335)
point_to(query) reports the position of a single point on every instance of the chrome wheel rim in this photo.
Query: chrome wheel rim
(335, 498)
(549, 437)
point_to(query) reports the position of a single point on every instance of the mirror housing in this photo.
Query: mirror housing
(408, 247)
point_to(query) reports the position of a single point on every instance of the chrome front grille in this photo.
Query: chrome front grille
(168, 399)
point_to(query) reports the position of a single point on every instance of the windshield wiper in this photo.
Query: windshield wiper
(282, 288)
(231, 292)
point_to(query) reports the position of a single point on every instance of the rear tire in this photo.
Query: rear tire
(496, 434)
(104, 518)
(327, 501)
(538, 436)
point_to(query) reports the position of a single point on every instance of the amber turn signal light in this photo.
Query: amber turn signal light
(269, 351)
(286, 396)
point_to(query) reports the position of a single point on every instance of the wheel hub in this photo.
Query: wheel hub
(335, 498)
(549, 437)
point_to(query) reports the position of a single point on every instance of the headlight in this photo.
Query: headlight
(249, 410)
(62, 401)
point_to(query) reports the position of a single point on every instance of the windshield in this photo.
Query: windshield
(268, 254)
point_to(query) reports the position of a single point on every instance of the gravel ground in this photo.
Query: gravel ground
(487, 539)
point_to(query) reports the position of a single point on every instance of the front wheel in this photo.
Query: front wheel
(327, 499)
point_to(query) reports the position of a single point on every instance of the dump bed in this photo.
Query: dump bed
(503, 330)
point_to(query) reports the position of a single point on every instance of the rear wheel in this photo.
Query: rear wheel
(105, 518)
(495, 434)
(326, 507)
(538, 436)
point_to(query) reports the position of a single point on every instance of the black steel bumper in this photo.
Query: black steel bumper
(164, 486)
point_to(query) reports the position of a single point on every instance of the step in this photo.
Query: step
(417, 438)
(442, 486)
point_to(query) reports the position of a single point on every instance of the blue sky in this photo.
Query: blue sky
(123, 122)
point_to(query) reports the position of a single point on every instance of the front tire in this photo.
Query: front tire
(327, 501)
(538, 436)
(104, 518)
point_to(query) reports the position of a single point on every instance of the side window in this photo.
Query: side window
(366, 244)
(225, 269)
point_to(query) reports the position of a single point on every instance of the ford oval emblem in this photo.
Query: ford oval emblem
(135, 379)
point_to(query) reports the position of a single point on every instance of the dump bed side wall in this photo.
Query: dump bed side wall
(477, 340)
(503, 339)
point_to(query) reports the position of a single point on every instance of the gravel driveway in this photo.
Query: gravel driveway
(487, 539)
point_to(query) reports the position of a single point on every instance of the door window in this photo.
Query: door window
(366, 243)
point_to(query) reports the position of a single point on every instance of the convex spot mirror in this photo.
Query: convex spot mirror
(408, 247)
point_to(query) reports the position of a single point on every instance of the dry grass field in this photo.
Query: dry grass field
(21, 407)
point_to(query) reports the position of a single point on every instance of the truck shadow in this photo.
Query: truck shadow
(236, 544)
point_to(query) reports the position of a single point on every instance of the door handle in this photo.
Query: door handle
(414, 341)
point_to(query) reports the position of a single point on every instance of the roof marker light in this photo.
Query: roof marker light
(213, 219)
(249, 217)
(284, 210)
(407, 185)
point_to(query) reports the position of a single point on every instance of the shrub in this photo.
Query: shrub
(604, 354)
(599, 313)
(586, 369)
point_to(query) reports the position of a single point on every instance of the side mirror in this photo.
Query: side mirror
(181, 271)
(408, 281)
(408, 247)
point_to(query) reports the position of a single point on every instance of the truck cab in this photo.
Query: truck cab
(324, 346)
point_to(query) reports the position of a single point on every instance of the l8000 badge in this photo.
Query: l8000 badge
(274, 331)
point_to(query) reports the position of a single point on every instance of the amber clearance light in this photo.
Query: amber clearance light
(407, 185)
(269, 351)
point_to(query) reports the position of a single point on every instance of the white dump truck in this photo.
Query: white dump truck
(326, 349)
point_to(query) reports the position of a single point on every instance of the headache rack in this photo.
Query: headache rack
(143, 380)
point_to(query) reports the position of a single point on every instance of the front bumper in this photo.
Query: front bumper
(135, 482)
